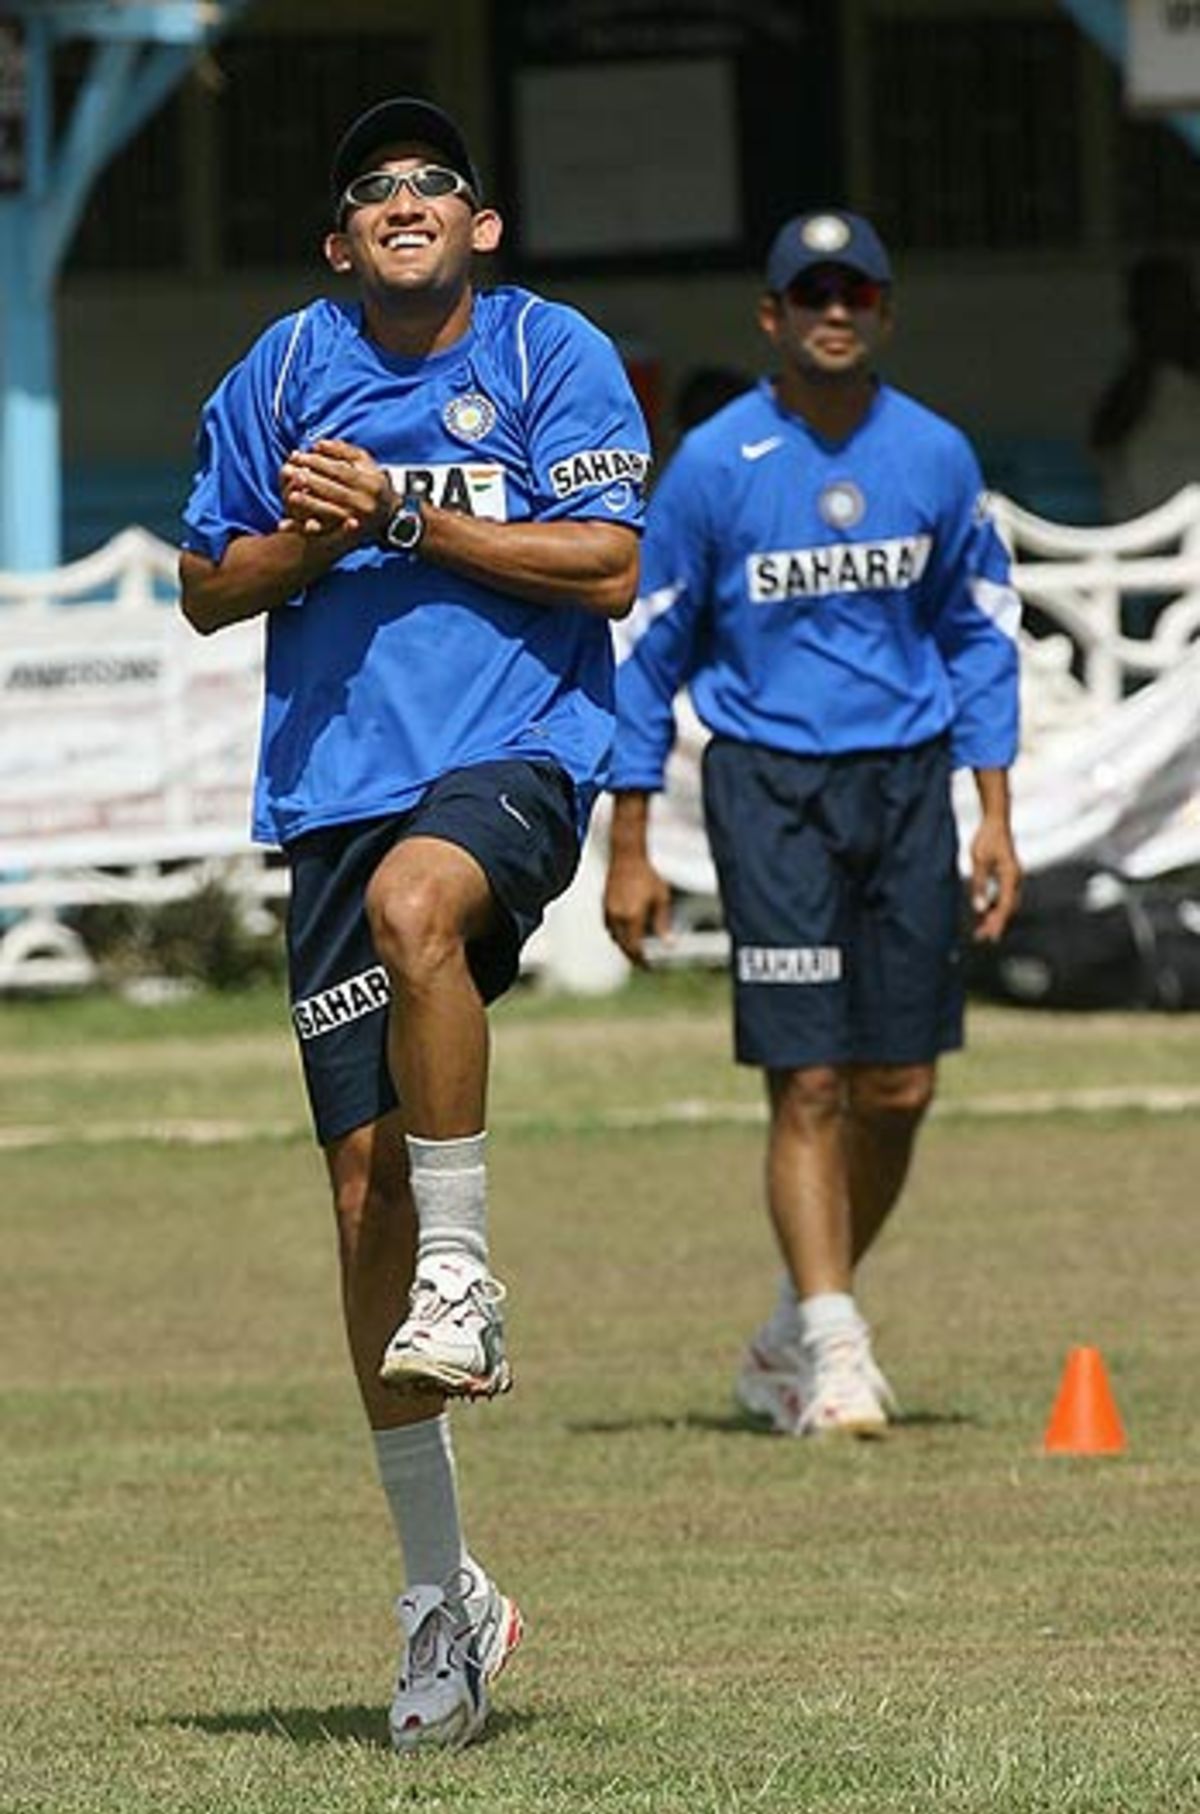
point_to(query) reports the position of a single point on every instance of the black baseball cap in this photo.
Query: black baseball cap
(391, 122)
(828, 236)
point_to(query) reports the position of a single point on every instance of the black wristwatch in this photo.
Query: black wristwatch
(404, 528)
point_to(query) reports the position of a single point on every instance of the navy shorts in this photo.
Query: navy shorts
(517, 819)
(839, 882)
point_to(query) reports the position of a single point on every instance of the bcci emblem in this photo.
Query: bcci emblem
(469, 417)
(842, 504)
(825, 233)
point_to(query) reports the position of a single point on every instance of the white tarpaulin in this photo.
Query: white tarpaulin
(1122, 791)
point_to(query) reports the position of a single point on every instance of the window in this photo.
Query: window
(1159, 184)
(133, 218)
(274, 114)
(973, 131)
(284, 105)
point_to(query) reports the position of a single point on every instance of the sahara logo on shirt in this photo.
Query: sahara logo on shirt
(838, 567)
(475, 490)
(606, 466)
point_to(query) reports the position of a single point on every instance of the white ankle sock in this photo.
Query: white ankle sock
(449, 1186)
(828, 1315)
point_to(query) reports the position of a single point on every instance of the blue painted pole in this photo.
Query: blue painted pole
(30, 462)
(143, 50)
(30, 465)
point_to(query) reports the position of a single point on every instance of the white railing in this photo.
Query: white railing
(129, 573)
(127, 742)
(1080, 580)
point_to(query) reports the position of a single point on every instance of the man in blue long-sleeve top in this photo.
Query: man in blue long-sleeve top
(821, 572)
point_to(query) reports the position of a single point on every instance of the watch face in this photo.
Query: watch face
(404, 527)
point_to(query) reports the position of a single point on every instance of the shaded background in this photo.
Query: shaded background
(643, 154)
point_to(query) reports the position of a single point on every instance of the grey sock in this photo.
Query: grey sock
(449, 1186)
(416, 1467)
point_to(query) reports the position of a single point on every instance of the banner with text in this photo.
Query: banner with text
(125, 737)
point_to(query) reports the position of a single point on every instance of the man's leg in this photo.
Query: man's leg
(426, 900)
(377, 1245)
(881, 1111)
(808, 1366)
(885, 1105)
(808, 1192)
(368, 1170)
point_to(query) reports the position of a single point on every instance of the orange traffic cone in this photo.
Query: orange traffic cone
(1085, 1419)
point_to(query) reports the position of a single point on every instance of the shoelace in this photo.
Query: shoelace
(429, 1303)
(423, 1656)
(453, 1620)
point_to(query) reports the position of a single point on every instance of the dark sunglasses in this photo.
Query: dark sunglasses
(817, 289)
(429, 182)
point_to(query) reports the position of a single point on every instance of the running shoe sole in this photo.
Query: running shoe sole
(421, 1373)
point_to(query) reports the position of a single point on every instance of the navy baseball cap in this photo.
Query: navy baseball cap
(391, 123)
(827, 236)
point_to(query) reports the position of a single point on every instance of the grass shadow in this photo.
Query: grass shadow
(306, 1726)
(356, 1724)
(736, 1423)
(938, 1420)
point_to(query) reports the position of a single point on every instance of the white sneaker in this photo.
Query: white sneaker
(453, 1650)
(769, 1383)
(876, 1379)
(843, 1392)
(452, 1339)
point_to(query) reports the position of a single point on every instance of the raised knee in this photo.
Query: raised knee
(412, 925)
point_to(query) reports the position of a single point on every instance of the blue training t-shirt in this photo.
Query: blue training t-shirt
(820, 597)
(389, 671)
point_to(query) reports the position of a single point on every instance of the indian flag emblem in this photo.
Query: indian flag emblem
(470, 416)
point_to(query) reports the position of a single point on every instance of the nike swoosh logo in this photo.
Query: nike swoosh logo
(513, 812)
(754, 450)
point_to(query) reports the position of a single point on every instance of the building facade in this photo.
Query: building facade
(645, 152)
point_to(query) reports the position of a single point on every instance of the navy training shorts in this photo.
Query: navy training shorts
(840, 888)
(517, 819)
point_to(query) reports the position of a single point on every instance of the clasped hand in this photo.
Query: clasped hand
(334, 488)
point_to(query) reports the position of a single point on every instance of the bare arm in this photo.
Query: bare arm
(257, 573)
(590, 564)
(335, 486)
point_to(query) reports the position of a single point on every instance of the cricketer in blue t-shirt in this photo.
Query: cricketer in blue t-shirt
(821, 572)
(434, 498)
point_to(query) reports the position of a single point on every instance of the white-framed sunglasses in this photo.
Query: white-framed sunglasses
(429, 182)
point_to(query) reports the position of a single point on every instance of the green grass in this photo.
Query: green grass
(197, 1561)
